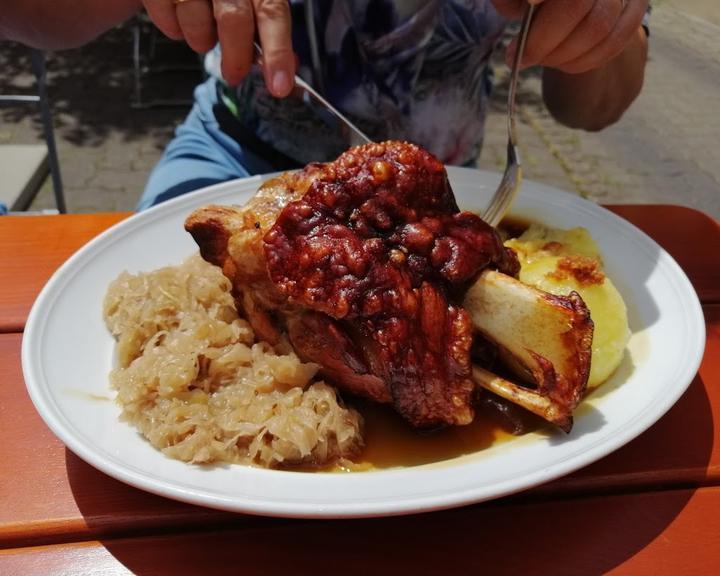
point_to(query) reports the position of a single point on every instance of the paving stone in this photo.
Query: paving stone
(129, 183)
(77, 166)
(145, 162)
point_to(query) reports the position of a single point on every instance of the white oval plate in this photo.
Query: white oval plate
(67, 354)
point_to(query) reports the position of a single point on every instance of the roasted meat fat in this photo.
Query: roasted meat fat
(364, 263)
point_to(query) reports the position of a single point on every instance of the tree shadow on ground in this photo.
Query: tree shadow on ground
(91, 88)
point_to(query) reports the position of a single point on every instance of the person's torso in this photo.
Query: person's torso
(413, 70)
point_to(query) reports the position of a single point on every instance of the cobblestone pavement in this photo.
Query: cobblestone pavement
(664, 150)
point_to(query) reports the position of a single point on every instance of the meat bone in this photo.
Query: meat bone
(544, 340)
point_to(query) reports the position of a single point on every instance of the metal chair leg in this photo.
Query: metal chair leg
(137, 65)
(38, 65)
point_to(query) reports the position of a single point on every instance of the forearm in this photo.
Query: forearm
(60, 24)
(598, 98)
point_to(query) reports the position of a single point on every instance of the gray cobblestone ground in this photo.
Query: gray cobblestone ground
(106, 147)
(665, 149)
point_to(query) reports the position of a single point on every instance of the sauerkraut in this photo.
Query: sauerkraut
(194, 381)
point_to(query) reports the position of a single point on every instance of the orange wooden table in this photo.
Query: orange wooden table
(652, 507)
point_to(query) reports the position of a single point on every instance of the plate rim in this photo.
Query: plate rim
(145, 481)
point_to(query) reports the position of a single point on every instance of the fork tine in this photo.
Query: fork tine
(507, 189)
(512, 177)
(504, 196)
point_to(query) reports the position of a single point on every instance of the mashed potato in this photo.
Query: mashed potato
(196, 384)
(560, 261)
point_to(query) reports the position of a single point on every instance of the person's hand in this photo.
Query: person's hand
(575, 36)
(201, 23)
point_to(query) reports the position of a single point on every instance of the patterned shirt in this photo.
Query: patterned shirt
(414, 70)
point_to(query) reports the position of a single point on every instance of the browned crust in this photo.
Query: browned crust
(584, 270)
(208, 228)
(568, 387)
(581, 338)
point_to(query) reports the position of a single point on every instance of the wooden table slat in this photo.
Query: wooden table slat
(691, 237)
(659, 533)
(31, 249)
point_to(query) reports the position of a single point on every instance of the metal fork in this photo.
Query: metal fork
(510, 183)
(357, 136)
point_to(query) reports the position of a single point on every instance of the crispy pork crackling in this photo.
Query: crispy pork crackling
(364, 264)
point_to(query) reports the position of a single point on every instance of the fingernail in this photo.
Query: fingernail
(281, 84)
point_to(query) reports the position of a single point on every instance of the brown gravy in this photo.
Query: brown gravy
(513, 227)
(390, 442)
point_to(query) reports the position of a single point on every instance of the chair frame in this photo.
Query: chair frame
(41, 99)
(143, 57)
